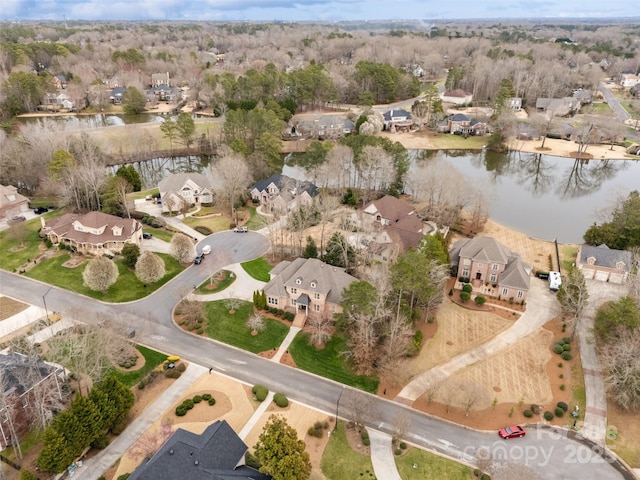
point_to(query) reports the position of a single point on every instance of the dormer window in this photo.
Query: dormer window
(313, 284)
(591, 260)
(299, 281)
(619, 265)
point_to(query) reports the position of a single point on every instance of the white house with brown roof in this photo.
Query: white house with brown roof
(307, 286)
(93, 232)
(604, 264)
(181, 190)
(488, 263)
(457, 97)
(11, 202)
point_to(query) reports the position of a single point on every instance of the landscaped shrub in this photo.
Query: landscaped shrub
(559, 412)
(364, 435)
(100, 443)
(197, 399)
(203, 229)
(188, 403)
(535, 408)
(566, 347)
(124, 476)
(289, 316)
(206, 397)
(558, 349)
(181, 367)
(465, 296)
(480, 300)
(212, 401)
(485, 477)
(366, 442)
(27, 475)
(467, 288)
(528, 413)
(172, 373)
(548, 416)
(316, 430)
(158, 222)
(559, 364)
(260, 392)
(398, 452)
(563, 406)
(281, 400)
(119, 426)
(562, 387)
(566, 356)
(476, 472)
(403, 445)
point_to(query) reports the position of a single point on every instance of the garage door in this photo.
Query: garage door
(588, 273)
(602, 276)
(616, 278)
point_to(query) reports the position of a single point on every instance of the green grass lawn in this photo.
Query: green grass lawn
(329, 362)
(221, 284)
(152, 360)
(340, 462)
(627, 106)
(600, 108)
(164, 235)
(142, 194)
(231, 329)
(215, 224)
(12, 254)
(258, 268)
(206, 211)
(457, 142)
(429, 467)
(126, 288)
(256, 221)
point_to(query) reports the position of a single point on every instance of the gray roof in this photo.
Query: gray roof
(176, 181)
(213, 455)
(17, 367)
(281, 182)
(605, 256)
(398, 112)
(459, 117)
(302, 272)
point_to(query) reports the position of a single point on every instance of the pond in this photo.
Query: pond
(95, 120)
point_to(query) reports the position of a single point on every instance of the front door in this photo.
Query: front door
(478, 276)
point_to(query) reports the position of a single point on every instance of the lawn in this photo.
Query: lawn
(429, 466)
(164, 235)
(215, 224)
(339, 461)
(152, 359)
(457, 142)
(228, 279)
(127, 288)
(600, 108)
(231, 329)
(258, 269)
(627, 106)
(142, 194)
(568, 254)
(256, 221)
(329, 362)
(12, 255)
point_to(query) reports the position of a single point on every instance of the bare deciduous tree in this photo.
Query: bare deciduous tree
(182, 248)
(231, 168)
(150, 267)
(100, 273)
(232, 304)
(192, 311)
(471, 394)
(401, 424)
(320, 327)
(573, 297)
(148, 444)
(256, 323)
(431, 390)
(620, 361)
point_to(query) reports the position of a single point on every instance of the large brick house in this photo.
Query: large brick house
(22, 382)
(181, 190)
(307, 286)
(11, 202)
(604, 263)
(93, 232)
(280, 193)
(488, 263)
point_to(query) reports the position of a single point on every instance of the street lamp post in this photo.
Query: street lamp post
(337, 407)
(45, 303)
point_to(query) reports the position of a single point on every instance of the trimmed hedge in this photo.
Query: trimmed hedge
(260, 391)
(281, 400)
(563, 406)
(548, 416)
(566, 356)
(528, 413)
(559, 412)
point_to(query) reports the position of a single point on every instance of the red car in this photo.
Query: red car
(511, 432)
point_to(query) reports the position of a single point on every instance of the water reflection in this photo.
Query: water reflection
(95, 120)
(152, 171)
(586, 176)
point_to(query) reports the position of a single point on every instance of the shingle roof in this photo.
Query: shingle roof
(212, 455)
(398, 112)
(175, 182)
(391, 208)
(485, 249)
(9, 196)
(63, 227)
(281, 182)
(328, 280)
(605, 256)
(459, 117)
(17, 367)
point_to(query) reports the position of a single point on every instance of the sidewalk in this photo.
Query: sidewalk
(384, 463)
(541, 307)
(94, 467)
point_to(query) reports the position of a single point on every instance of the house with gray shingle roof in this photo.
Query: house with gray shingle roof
(485, 261)
(11, 202)
(604, 263)
(181, 190)
(307, 286)
(280, 193)
(218, 453)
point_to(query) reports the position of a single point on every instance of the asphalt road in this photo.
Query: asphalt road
(614, 103)
(553, 455)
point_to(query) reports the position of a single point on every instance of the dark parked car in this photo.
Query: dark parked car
(511, 432)
(39, 210)
(16, 219)
(146, 236)
(198, 259)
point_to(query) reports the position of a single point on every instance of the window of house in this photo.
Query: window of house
(313, 284)
(298, 281)
(619, 265)
(272, 300)
(520, 294)
(316, 296)
(316, 307)
(465, 272)
(294, 291)
(493, 277)
(466, 261)
(494, 266)
(505, 291)
(293, 302)
(480, 265)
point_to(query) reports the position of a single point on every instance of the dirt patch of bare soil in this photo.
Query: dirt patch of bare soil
(288, 360)
(10, 307)
(354, 437)
(74, 261)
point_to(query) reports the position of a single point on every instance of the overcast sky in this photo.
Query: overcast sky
(311, 10)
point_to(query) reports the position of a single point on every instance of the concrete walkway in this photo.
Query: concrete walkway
(541, 307)
(382, 458)
(94, 467)
(256, 416)
(284, 346)
(243, 287)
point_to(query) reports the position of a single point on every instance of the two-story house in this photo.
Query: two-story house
(604, 264)
(307, 286)
(181, 190)
(457, 97)
(487, 262)
(280, 193)
(11, 202)
(397, 120)
(93, 232)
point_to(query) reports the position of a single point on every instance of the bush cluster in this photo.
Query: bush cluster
(563, 348)
(289, 316)
(188, 403)
(128, 361)
(154, 222)
(260, 391)
(465, 296)
(563, 406)
(203, 229)
(318, 429)
(535, 408)
(528, 413)
(559, 412)
(467, 288)
(281, 400)
(147, 380)
(463, 279)
(548, 416)
(172, 373)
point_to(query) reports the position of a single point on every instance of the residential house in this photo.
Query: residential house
(397, 120)
(515, 104)
(280, 193)
(60, 81)
(459, 123)
(158, 79)
(22, 380)
(94, 232)
(307, 286)
(57, 101)
(583, 96)
(628, 80)
(11, 202)
(116, 95)
(218, 453)
(181, 190)
(604, 263)
(491, 267)
(560, 107)
(324, 127)
(457, 97)
(112, 82)
(163, 93)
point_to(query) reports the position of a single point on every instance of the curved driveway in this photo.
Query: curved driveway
(549, 452)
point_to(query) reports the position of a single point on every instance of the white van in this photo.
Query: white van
(555, 281)
(206, 250)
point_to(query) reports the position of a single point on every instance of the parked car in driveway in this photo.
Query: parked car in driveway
(16, 219)
(241, 229)
(198, 259)
(511, 432)
(146, 236)
(206, 250)
(39, 210)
